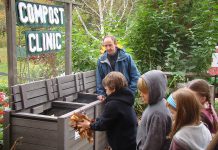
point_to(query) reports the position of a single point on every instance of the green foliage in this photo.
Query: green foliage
(84, 56)
(176, 35)
(4, 85)
(139, 106)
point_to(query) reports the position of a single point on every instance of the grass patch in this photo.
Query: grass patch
(3, 60)
(3, 52)
(3, 69)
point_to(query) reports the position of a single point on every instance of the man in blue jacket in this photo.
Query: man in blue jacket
(115, 59)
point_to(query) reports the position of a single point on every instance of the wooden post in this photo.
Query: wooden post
(61, 134)
(11, 42)
(6, 127)
(68, 39)
(212, 95)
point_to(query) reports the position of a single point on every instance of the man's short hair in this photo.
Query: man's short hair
(112, 38)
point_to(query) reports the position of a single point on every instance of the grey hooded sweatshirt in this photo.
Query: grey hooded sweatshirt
(156, 119)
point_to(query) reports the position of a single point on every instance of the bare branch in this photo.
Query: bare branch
(91, 8)
(104, 7)
(84, 25)
(101, 17)
(125, 4)
(85, 11)
(111, 7)
(130, 11)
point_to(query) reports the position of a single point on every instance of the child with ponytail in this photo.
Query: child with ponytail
(208, 115)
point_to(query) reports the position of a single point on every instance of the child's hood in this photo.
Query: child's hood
(124, 95)
(157, 84)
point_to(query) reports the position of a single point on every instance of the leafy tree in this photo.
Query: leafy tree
(176, 35)
(93, 20)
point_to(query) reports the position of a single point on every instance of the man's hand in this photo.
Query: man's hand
(101, 98)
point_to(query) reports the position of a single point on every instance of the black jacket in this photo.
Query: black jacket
(119, 120)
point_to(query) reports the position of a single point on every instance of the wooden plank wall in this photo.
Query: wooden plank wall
(16, 102)
(100, 136)
(71, 141)
(37, 97)
(89, 80)
(33, 133)
(66, 87)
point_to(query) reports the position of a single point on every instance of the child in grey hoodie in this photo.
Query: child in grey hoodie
(156, 119)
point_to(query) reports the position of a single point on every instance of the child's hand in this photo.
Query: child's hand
(101, 98)
(81, 124)
(85, 124)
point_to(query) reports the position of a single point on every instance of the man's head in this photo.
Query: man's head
(110, 43)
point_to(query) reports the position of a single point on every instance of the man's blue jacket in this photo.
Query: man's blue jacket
(124, 64)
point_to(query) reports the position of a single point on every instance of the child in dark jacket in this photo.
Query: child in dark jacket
(118, 118)
(156, 119)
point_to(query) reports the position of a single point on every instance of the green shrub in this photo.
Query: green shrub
(4, 85)
(176, 35)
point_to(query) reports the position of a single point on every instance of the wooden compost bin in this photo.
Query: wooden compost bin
(40, 119)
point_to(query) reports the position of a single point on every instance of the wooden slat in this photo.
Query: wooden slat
(37, 109)
(100, 137)
(34, 101)
(17, 106)
(7, 132)
(47, 142)
(33, 85)
(100, 140)
(92, 90)
(28, 146)
(68, 91)
(49, 90)
(90, 85)
(34, 132)
(71, 98)
(55, 88)
(89, 73)
(55, 95)
(16, 98)
(61, 134)
(81, 109)
(47, 106)
(26, 110)
(36, 93)
(77, 82)
(15, 89)
(68, 85)
(30, 123)
(62, 104)
(65, 79)
(90, 79)
(35, 116)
